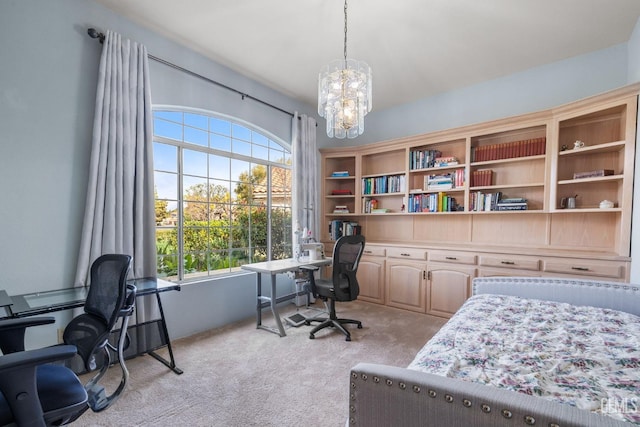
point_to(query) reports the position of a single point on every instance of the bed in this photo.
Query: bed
(521, 351)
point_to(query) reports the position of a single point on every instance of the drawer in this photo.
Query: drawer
(407, 253)
(584, 267)
(452, 257)
(519, 263)
(374, 251)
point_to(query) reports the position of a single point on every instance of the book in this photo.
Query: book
(592, 174)
(337, 174)
(338, 192)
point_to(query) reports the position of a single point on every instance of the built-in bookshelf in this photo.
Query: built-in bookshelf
(498, 183)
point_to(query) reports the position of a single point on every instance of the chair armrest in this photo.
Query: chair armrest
(12, 332)
(25, 322)
(36, 357)
(130, 301)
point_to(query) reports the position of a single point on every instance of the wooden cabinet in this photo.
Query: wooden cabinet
(371, 275)
(448, 287)
(406, 284)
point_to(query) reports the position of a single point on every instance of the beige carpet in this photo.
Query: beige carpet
(242, 376)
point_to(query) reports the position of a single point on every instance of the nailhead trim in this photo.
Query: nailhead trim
(528, 419)
(466, 402)
(389, 382)
(507, 413)
(416, 389)
(402, 386)
(448, 398)
(432, 393)
(376, 380)
(485, 408)
(364, 377)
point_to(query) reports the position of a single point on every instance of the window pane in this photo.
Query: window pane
(277, 156)
(196, 136)
(174, 116)
(220, 142)
(195, 189)
(219, 167)
(165, 157)
(194, 162)
(239, 168)
(241, 147)
(222, 127)
(166, 185)
(197, 212)
(240, 132)
(195, 120)
(167, 129)
(260, 139)
(260, 152)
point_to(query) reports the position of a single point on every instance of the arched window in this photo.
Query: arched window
(223, 194)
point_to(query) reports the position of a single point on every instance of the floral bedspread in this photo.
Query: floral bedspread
(583, 356)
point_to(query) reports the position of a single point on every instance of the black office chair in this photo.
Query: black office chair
(343, 285)
(110, 299)
(33, 391)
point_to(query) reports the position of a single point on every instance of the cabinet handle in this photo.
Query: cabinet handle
(507, 262)
(367, 252)
(402, 254)
(452, 258)
(426, 275)
(580, 268)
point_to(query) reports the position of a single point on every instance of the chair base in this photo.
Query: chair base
(334, 323)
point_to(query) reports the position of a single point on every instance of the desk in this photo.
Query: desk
(273, 268)
(38, 303)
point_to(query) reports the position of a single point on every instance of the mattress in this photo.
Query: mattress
(587, 357)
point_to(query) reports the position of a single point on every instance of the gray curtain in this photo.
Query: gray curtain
(119, 213)
(305, 176)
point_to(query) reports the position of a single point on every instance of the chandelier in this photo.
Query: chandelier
(344, 93)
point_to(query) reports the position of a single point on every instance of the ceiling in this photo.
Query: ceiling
(416, 48)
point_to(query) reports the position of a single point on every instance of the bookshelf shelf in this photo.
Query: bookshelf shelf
(593, 179)
(595, 149)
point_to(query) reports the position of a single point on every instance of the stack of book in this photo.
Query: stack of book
(339, 192)
(454, 179)
(512, 204)
(438, 182)
(341, 209)
(339, 174)
(593, 174)
(440, 162)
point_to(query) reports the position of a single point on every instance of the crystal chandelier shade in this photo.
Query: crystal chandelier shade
(344, 94)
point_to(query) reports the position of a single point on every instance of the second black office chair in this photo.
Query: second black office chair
(343, 285)
(110, 299)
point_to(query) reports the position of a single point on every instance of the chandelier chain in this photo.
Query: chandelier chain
(345, 30)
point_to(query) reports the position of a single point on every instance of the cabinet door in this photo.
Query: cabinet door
(448, 288)
(371, 279)
(406, 285)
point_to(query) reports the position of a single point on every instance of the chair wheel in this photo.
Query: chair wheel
(311, 336)
(347, 339)
(359, 325)
(306, 322)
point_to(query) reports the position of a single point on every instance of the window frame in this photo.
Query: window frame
(182, 145)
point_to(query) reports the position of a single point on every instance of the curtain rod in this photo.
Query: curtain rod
(95, 34)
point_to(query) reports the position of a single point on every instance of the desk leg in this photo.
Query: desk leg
(274, 309)
(259, 300)
(172, 364)
(264, 302)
